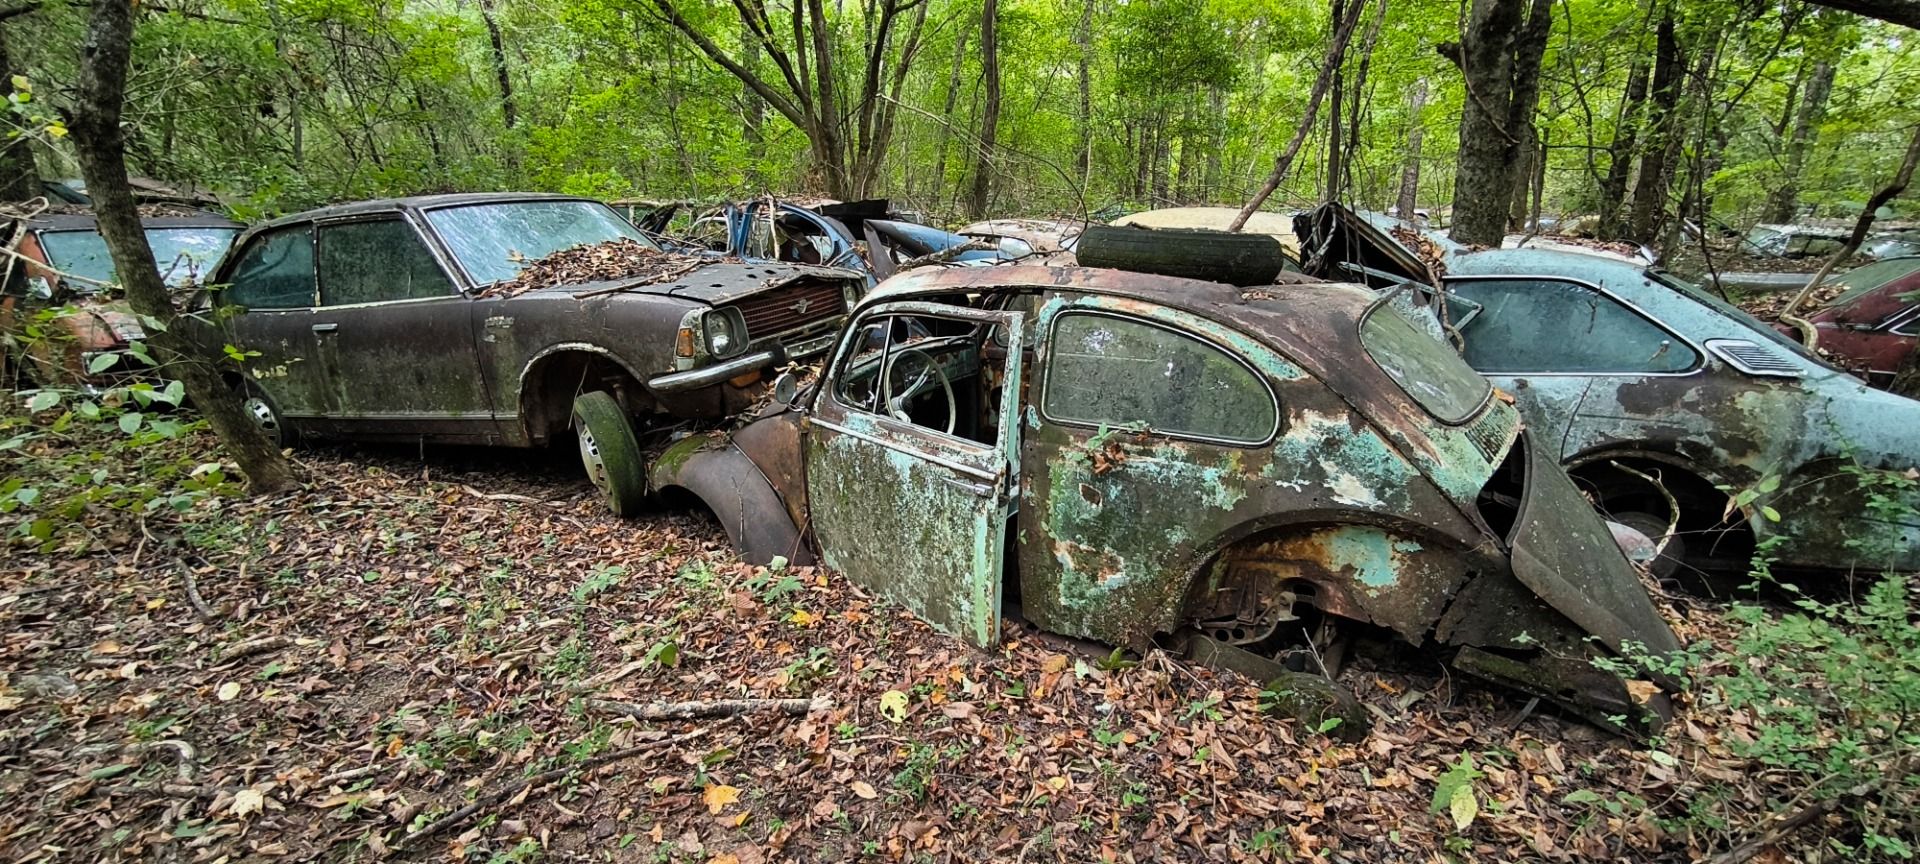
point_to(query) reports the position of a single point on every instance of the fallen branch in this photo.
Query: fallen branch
(945, 255)
(184, 756)
(255, 646)
(193, 594)
(488, 799)
(710, 708)
(1673, 508)
(502, 496)
(1860, 227)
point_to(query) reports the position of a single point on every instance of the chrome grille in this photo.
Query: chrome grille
(791, 307)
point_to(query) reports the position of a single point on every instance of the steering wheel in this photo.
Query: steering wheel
(894, 404)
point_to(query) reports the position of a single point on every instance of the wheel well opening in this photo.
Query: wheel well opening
(1642, 493)
(548, 390)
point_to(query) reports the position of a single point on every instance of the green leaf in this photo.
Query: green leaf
(102, 362)
(1771, 514)
(43, 400)
(109, 771)
(1582, 796)
(1769, 483)
(1463, 807)
(1328, 725)
(130, 422)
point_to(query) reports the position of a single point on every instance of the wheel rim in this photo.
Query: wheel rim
(263, 417)
(590, 457)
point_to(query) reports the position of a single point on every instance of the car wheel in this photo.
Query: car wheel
(1215, 256)
(1654, 526)
(610, 452)
(259, 408)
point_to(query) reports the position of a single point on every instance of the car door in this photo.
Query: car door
(1549, 342)
(395, 335)
(266, 307)
(910, 460)
(1140, 412)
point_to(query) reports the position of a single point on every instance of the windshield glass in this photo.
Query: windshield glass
(1706, 298)
(494, 241)
(1865, 278)
(1423, 366)
(183, 254)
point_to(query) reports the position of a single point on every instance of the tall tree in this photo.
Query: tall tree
(1785, 201)
(983, 168)
(501, 74)
(1083, 154)
(848, 137)
(1500, 65)
(100, 146)
(1410, 174)
(1663, 139)
(1336, 54)
(1620, 152)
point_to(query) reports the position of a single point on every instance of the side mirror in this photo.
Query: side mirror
(786, 387)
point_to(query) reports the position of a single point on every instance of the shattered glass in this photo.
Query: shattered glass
(494, 241)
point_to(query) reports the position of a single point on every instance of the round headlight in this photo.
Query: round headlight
(723, 337)
(850, 293)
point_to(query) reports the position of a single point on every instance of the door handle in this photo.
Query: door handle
(325, 328)
(979, 489)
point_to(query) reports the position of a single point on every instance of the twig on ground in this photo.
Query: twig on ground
(184, 756)
(193, 594)
(490, 798)
(503, 496)
(710, 708)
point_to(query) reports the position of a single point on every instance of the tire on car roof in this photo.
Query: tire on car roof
(1191, 253)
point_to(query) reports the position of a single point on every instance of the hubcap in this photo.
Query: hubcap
(1655, 527)
(262, 415)
(590, 457)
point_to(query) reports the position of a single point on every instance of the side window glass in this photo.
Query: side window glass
(1109, 371)
(1909, 327)
(275, 271)
(373, 262)
(1544, 325)
(924, 370)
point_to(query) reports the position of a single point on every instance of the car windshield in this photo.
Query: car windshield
(1423, 366)
(1863, 279)
(494, 241)
(183, 254)
(1706, 298)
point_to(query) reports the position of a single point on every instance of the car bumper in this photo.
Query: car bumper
(752, 361)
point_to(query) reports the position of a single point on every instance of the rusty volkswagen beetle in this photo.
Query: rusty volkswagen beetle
(1140, 459)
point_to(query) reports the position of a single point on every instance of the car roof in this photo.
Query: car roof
(90, 222)
(415, 202)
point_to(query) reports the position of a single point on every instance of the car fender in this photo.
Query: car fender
(712, 468)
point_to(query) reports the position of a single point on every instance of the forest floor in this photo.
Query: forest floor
(403, 638)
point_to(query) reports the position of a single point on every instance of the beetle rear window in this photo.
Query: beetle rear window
(1111, 371)
(1423, 366)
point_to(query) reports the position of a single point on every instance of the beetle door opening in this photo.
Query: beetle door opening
(909, 460)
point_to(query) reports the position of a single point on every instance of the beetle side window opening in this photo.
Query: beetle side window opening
(1546, 325)
(1422, 365)
(1108, 371)
(494, 241)
(371, 262)
(923, 370)
(275, 271)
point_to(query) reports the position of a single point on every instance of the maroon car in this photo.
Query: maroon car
(1871, 327)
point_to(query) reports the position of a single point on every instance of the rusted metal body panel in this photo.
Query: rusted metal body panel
(713, 467)
(1734, 426)
(1359, 503)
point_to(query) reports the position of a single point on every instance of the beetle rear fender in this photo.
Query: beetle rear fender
(1393, 576)
(709, 467)
(551, 380)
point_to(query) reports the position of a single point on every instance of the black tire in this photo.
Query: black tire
(1214, 256)
(610, 452)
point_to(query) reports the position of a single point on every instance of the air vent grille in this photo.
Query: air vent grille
(1754, 358)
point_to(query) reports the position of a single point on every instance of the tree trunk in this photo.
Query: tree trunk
(97, 137)
(946, 115)
(500, 73)
(1492, 55)
(755, 109)
(1330, 188)
(1656, 163)
(1410, 174)
(990, 114)
(1626, 128)
(1529, 48)
(1784, 204)
(1084, 153)
(1336, 54)
(19, 179)
(1217, 140)
(1905, 13)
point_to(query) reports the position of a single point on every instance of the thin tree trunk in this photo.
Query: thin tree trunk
(1410, 174)
(1336, 53)
(1358, 102)
(1862, 225)
(1784, 204)
(946, 114)
(1529, 49)
(1217, 140)
(1084, 153)
(755, 108)
(1626, 128)
(98, 143)
(1330, 188)
(500, 73)
(1656, 163)
(990, 114)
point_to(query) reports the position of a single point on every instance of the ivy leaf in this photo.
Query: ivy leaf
(130, 422)
(43, 400)
(102, 362)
